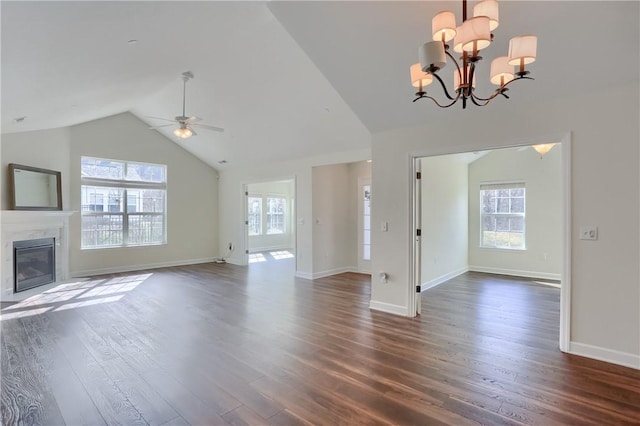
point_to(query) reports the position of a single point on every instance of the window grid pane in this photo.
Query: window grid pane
(502, 217)
(275, 215)
(366, 231)
(255, 215)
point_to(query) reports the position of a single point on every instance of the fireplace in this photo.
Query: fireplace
(34, 263)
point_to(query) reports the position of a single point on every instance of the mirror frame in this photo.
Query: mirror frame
(12, 187)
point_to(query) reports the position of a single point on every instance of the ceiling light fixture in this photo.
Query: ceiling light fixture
(183, 132)
(543, 148)
(469, 38)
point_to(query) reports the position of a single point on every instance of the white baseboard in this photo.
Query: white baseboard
(516, 272)
(233, 261)
(603, 354)
(132, 268)
(305, 275)
(439, 280)
(388, 308)
(335, 271)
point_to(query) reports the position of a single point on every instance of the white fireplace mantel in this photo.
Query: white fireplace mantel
(18, 225)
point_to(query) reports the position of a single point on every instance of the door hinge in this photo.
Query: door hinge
(246, 194)
(418, 175)
(419, 232)
(246, 222)
(418, 289)
(246, 251)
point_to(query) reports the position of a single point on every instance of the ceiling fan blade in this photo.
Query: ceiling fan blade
(158, 118)
(162, 125)
(193, 131)
(193, 119)
(204, 126)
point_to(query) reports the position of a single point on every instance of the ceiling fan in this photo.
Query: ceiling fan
(185, 124)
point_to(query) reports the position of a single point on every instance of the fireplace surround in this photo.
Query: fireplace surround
(18, 225)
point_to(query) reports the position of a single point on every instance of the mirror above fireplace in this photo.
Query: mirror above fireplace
(33, 188)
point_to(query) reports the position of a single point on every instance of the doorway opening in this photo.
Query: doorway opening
(270, 225)
(502, 211)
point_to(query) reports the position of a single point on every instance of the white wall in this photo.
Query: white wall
(444, 219)
(192, 193)
(232, 182)
(544, 212)
(263, 242)
(605, 164)
(333, 230)
(47, 149)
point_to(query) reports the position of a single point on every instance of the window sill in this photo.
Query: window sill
(123, 247)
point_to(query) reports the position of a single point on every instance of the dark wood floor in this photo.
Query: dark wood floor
(220, 344)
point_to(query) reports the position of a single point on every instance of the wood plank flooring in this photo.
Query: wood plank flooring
(218, 344)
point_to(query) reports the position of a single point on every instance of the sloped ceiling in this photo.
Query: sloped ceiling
(285, 79)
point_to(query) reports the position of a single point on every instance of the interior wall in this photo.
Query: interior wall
(605, 162)
(333, 234)
(192, 194)
(232, 181)
(543, 211)
(445, 219)
(46, 149)
(274, 241)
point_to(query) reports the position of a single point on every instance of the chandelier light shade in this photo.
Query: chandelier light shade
(522, 49)
(432, 56)
(443, 26)
(488, 8)
(419, 78)
(469, 38)
(475, 34)
(456, 80)
(501, 71)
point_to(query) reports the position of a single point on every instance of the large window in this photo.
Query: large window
(502, 216)
(123, 203)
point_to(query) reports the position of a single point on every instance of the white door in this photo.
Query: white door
(364, 225)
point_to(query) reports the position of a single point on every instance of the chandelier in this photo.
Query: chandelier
(469, 39)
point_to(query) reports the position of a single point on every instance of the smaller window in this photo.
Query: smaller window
(502, 216)
(255, 215)
(275, 215)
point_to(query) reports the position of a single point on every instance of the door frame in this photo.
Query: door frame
(414, 245)
(245, 215)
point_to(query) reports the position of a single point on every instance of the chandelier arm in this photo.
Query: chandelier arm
(455, 62)
(475, 100)
(444, 87)
(501, 90)
(454, 100)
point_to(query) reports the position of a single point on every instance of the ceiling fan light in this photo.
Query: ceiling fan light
(476, 34)
(443, 26)
(523, 48)
(183, 132)
(488, 8)
(501, 71)
(432, 56)
(419, 78)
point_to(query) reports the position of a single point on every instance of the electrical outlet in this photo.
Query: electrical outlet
(588, 232)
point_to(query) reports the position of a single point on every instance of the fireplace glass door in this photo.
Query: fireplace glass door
(34, 263)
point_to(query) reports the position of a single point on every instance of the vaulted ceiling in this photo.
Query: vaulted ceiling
(285, 79)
